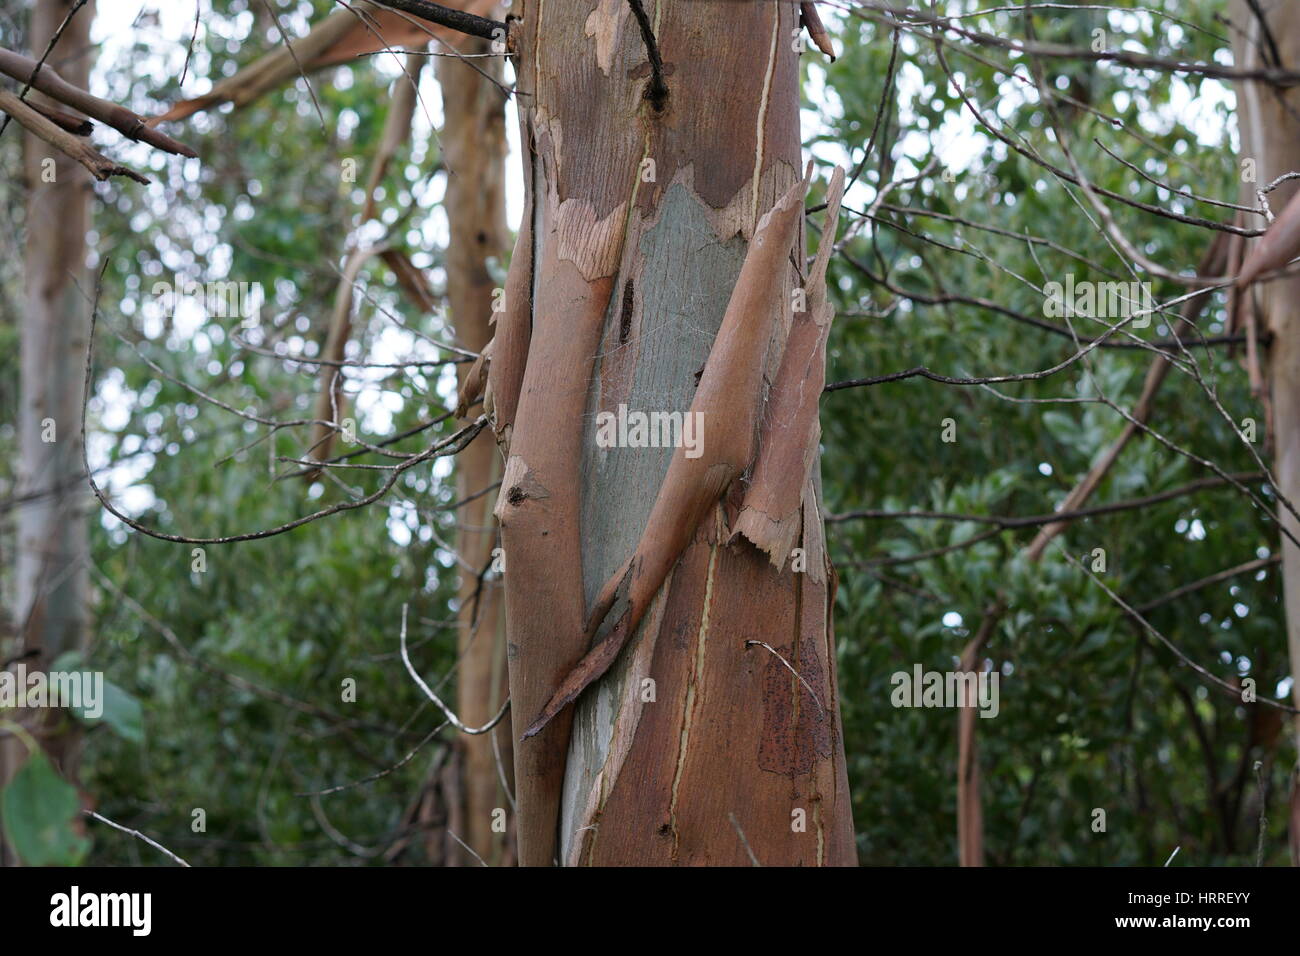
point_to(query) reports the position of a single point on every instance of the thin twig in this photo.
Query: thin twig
(790, 668)
(137, 834)
(428, 692)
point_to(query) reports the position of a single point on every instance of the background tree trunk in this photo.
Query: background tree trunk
(50, 598)
(696, 747)
(473, 151)
(1268, 118)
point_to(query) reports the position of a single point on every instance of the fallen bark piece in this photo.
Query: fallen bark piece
(728, 399)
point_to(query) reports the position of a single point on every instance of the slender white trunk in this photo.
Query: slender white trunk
(50, 573)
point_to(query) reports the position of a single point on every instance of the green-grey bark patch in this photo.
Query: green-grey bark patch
(682, 288)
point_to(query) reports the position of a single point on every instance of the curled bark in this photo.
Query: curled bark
(812, 22)
(474, 384)
(505, 370)
(1278, 246)
(538, 508)
(772, 512)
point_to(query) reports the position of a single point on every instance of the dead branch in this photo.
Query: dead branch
(100, 166)
(43, 78)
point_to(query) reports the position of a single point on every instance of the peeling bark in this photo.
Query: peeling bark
(812, 22)
(772, 512)
(727, 403)
(509, 349)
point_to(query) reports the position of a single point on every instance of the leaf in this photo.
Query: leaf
(121, 711)
(39, 808)
(118, 708)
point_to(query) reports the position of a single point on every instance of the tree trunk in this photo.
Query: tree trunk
(1269, 122)
(698, 746)
(473, 151)
(50, 597)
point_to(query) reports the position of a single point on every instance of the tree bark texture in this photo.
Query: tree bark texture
(698, 746)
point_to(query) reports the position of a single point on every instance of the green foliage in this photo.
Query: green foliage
(39, 809)
(1093, 713)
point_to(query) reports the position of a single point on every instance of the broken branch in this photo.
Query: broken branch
(100, 166)
(457, 20)
(130, 125)
(812, 22)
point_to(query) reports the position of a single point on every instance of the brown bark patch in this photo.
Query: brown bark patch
(796, 726)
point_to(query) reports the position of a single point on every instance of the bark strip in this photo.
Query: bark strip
(772, 512)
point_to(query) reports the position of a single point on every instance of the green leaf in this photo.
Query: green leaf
(122, 712)
(39, 808)
(119, 709)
